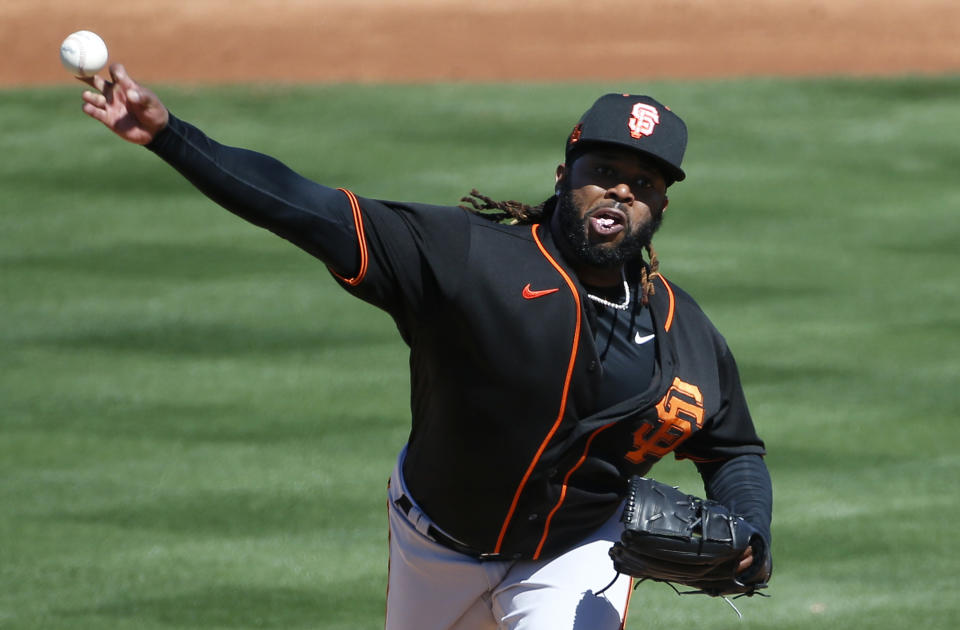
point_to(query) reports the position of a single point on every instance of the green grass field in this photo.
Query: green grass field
(196, 424)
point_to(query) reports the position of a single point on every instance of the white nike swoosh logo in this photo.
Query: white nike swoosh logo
(642, 340)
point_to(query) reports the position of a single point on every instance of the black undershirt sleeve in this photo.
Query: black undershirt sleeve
(743, 485)
(265, 192)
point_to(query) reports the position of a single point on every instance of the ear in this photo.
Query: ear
(666, 202)
(561, 173)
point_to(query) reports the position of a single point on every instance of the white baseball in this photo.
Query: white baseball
(83, 53)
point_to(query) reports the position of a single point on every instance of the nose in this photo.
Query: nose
(621, 192)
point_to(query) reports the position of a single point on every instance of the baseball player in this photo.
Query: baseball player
(550, 360)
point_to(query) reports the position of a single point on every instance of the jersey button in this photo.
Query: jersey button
(592, 367)
(533, 517)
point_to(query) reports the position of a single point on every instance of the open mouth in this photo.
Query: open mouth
(606, 222)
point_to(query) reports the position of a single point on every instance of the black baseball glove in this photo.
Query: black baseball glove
(670, 536)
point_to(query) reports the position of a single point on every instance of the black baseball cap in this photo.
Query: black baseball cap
(636, 122)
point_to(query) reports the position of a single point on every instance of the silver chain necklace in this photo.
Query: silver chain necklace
(626, 296)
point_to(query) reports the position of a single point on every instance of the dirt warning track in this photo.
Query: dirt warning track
(495, 40)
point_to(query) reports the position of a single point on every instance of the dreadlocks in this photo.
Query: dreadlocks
(509, 212)
(518, 213)
(646, 270)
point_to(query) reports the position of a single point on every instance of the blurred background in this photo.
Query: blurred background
(497, 40)
(197, 424)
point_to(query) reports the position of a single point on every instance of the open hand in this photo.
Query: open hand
(126, 108)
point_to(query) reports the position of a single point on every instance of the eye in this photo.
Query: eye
(604, 170)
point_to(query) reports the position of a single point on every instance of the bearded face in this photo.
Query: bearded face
(575, 225)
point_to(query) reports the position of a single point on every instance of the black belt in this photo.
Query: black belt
(405, 504)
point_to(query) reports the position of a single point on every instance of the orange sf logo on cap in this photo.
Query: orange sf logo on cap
(643, 120)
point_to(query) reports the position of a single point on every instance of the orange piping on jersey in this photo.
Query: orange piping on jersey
(626, 608)
(563, 489)
(669, 322)
(361, 240)
(563, 399)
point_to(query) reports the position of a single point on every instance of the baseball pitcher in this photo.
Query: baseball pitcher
(551, 366)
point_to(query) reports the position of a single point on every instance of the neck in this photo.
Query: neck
(599, 276)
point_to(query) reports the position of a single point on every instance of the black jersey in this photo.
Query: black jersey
(516, 449)
(625, 342)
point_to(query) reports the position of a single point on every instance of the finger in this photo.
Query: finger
(95, 112)
(132, 90)
(143, 98)
(94, 98)
(119, 73)
(117, 70)
(96, 82)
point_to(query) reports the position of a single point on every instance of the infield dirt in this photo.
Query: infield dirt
(494, 40)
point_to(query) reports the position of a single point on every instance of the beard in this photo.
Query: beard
(574, 230)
